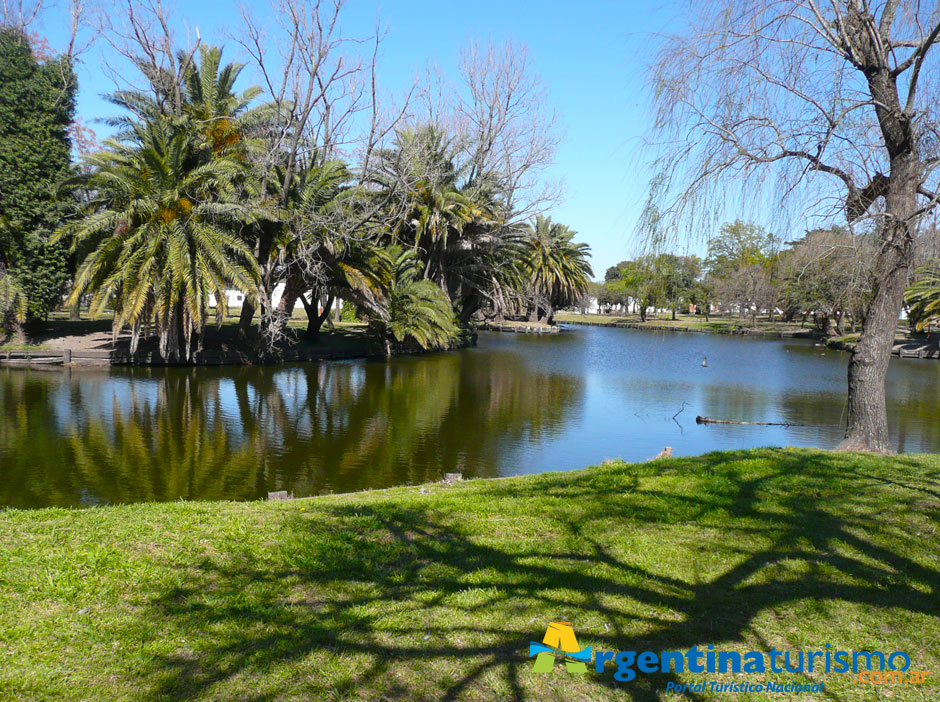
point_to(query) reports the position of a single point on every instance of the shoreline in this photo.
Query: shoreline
(348, 343)
(927, 349)
(736, 331)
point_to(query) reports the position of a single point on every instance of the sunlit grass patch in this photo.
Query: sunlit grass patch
(404, 594)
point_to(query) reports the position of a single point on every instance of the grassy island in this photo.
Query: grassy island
(434, 592)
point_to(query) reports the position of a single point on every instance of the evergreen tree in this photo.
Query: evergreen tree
(37, 102)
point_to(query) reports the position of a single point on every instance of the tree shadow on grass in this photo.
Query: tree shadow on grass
(396, 600)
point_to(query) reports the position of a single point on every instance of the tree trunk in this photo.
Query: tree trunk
(549, 315)
(867, 418)
(244, 321)
(263, 249)
(293, 287)
(315, 319)
(75, 312)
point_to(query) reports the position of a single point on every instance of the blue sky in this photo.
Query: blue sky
(592, 57)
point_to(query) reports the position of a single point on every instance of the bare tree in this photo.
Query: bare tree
(20, 14)
(320, 82)
(144, 42)
(809, 106)
(511, 130)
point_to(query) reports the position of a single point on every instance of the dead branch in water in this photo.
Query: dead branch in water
(709, 420)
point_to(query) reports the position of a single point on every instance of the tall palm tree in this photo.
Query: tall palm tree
(201, 92)
(558, 267)
(161, 222)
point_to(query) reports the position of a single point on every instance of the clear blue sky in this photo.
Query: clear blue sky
(592, 56)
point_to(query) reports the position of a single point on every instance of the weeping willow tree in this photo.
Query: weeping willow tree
(823, 109)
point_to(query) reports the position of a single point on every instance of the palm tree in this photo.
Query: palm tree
(558, 268)
(161, 222)
(200, 92)
(415, 309)
(323, 259)
(923, 297)
(456, 226)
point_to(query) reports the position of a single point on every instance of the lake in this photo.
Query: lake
(514, 404)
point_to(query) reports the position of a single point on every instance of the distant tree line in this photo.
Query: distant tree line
(824, 277)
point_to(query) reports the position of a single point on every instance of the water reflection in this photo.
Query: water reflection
(515, 404)
(88, 437)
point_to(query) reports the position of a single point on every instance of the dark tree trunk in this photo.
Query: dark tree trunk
(315, 319)
(293, 287)
(549, 316)
(264, 247)
(867, 418)
(244, 320)
(867, 427)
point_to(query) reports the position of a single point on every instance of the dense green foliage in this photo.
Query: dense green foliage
(416, 311)
(37, 102)
(655, 280)
(161, 225)
(197, 194)
(454, 219)
(435, 593)
(166, 200)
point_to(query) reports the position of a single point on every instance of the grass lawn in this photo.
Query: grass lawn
(689, 321)
(435, 593)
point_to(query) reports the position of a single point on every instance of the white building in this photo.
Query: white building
(236, 298)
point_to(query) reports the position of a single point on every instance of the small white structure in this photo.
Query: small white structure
(236, 298)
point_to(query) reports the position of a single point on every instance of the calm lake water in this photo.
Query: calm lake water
(514, 404)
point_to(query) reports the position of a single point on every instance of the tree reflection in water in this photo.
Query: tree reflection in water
(132, 435)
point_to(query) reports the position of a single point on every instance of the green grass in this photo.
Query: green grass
(434, 593)
(715, 323)
(14, 346)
